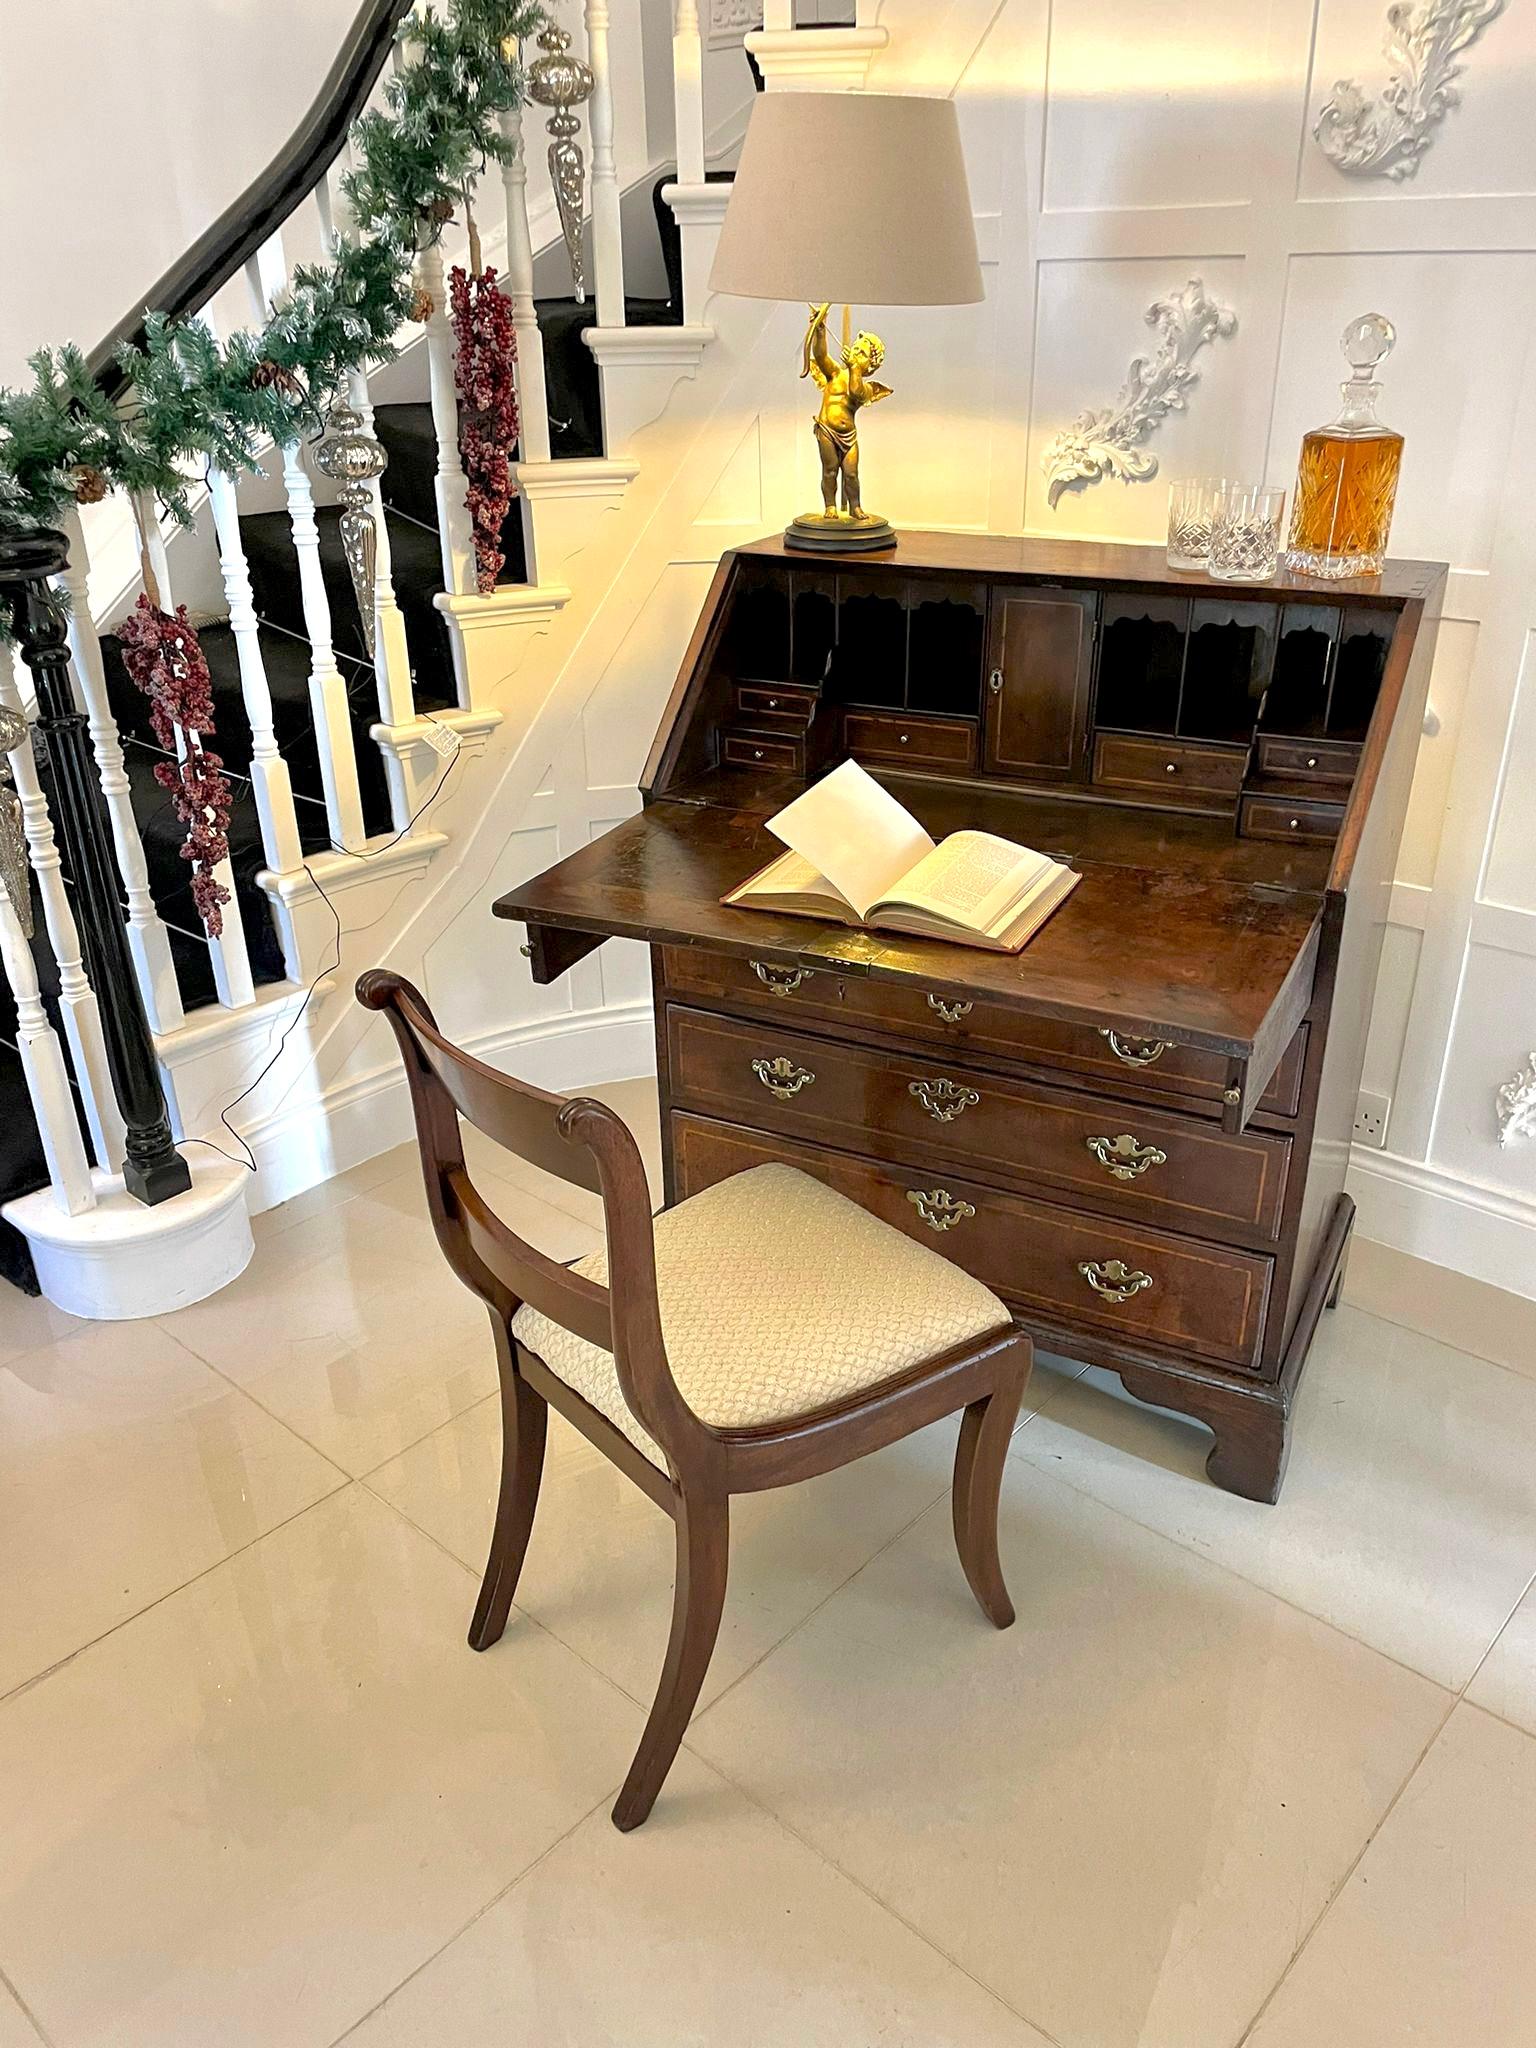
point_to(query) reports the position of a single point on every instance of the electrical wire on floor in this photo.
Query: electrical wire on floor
(246, 1157)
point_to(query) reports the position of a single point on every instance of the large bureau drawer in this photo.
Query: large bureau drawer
(1122, 1158)
(1206, 1301)
(1134, 1067)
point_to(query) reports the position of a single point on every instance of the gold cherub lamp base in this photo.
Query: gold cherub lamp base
(845, 387)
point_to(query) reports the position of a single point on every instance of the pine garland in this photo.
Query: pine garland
(194, 400)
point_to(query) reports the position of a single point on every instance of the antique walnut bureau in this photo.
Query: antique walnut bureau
(1136, 1129)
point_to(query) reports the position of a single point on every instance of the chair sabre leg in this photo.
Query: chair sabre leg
(986, 1428)
(524, 1419)
(698, 1596)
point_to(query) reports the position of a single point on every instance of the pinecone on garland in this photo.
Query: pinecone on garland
(87, 483)
(268, 376)
(421, 307)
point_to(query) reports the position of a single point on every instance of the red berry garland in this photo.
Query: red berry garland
(161, 655)
(485, 357)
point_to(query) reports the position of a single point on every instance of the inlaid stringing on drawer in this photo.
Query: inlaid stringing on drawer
(977, 1030)
(1115, 1279)
(1118, 1157)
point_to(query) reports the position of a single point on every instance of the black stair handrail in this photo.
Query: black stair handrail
(270, 198)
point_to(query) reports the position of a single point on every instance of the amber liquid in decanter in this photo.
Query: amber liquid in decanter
(1346, 478)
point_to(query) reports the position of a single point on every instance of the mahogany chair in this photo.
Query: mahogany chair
(761, 1332)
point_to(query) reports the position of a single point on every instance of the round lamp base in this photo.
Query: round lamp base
(839, 533)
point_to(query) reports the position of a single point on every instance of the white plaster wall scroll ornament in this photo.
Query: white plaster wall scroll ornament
(1105, 443)
(1517, 1104)
(1385, 137)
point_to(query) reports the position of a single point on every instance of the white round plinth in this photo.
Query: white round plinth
(121, 1260)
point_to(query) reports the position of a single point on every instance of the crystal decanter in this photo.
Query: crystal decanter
(1346, 479)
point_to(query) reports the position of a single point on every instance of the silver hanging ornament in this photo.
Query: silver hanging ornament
(562, 81)
(15, 875)
(351, 457)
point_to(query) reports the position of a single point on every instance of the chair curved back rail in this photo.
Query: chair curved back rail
(582, 1142)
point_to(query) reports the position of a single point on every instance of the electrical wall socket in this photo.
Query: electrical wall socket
(1371, 1113)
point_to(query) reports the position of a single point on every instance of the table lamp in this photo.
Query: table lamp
(860, 197)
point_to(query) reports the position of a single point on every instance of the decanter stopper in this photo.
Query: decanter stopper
(1366, 342)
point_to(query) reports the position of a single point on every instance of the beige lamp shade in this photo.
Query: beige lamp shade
(850, 196)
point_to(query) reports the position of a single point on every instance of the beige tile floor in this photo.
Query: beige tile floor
(1238, 1775)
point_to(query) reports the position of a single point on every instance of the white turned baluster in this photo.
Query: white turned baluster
(607, 235)
(688, 95)
(532, 392)
(391, 654)
(778, 14)
(148, 941)
(43, 1070)
(271, 783)
(228, 953)
(454, 527)
(328, 703)
(77, 999)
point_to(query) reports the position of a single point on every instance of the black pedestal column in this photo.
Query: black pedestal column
(153, 1170)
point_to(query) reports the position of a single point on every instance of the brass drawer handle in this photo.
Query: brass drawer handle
(1125, 1158)
(1136, 1052)
(782, 1077)
(939, 1209)
(1113, 1279)
(950, 1012)
(944, 1100)
(781, 981)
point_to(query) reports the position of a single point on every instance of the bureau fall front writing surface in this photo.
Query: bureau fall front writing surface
(1136, 1129)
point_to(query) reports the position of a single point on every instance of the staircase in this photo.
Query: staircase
(611, 408)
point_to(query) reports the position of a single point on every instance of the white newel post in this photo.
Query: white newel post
(451, 485)
(532, 392)
(227, 953)
(607, 232)
(43, 1070)
(148, 941)
(688, 94)
(77, 999)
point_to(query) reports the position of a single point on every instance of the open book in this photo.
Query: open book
(857, 855)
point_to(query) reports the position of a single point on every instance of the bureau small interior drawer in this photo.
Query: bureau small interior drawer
(1135, 1068)
(776, 702)
(1289, 817)
(1174, 770)
(740, 748)
(1328, 763)
(918, 742)
(1205, 1301)
(1123, 1158)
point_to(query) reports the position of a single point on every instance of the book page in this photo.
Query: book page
(972, 878)
(853, 832)
(789, 875)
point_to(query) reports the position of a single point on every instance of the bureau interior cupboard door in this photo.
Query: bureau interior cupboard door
(1039, 670)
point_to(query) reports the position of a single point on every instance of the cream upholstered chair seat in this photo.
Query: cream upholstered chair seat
(778, 1296)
